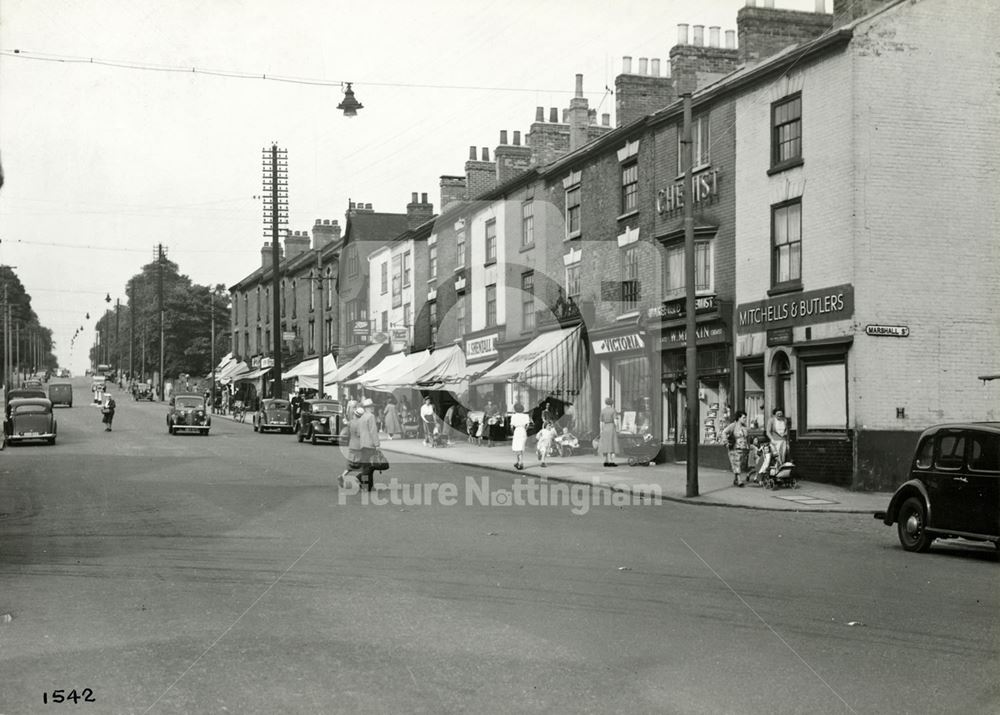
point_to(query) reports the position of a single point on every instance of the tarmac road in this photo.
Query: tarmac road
(229, 574)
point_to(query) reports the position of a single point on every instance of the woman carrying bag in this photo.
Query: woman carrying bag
(368, 442)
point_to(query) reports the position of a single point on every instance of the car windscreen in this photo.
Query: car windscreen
(276, 406)
(189, 404)
(326, 409)
(30, 409)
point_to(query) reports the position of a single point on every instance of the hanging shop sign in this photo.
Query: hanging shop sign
(779, 336)
(706, 190)
(266, 363)
(825, 305)
(399, 335)
(359, 327)
(481, 348)
(888, 331)
(618, 344)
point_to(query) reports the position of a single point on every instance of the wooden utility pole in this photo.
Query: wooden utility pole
(319, 309)
(692, 412)
(159, 292)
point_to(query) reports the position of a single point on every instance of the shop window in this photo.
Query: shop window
(632, 389)
(630, 188)
(825, 396)
(786, 243)
(786, 132)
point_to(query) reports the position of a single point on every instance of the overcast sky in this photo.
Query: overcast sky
(103, 162)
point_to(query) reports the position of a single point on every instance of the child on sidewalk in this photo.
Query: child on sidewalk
(545, 436)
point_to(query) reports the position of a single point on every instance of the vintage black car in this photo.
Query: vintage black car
(142, 391)
(29, 418)
(274, 415)
(20, 393)
(188, 411)
(319, 421)
(953, 490)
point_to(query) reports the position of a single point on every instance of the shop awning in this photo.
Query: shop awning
(554, 363)
(252, 375)
(400, 375)
(232, 371)
(225, 361)
(449, 371)
(350, 368)
(309, 367)
(389, 363)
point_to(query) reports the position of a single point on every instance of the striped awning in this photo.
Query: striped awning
(253, 375)
(389, 363)
(348, 370)
(554, 363)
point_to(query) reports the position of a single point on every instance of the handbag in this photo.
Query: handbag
(379, 462)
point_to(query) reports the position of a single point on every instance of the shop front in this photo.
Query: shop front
(793, 354)
(483, 348)
(713, 338)
(623, 371)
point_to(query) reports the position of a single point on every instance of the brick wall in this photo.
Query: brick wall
(766, 31)
(639, 95)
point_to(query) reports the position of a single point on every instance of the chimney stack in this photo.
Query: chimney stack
(695, 65)
(579, 116)
(637, 95)
(325, 233)
(266, 260)
(418, 212)
(452, 190)
(296, 243)
(765, 31)
(480, 176)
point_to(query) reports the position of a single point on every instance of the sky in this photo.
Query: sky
(128, 124)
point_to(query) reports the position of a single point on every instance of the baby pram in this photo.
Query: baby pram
(640, 449)
(770, 474)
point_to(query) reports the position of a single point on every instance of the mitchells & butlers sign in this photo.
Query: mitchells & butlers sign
(825, 305)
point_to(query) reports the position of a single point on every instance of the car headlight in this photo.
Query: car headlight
(323, 420)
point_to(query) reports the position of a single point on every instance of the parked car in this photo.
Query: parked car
(61, 393)
(29, 418)
(953, 490)
(32, 382)
(188, 411)
(319, 421)
(20, 393)
(143, 391)
(273, 414)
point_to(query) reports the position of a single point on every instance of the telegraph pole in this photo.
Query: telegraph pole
(691, 353)
(159, 294)
(131, 331)
(319, 308)
(276, 180)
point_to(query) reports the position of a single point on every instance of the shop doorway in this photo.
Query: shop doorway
(781, 370)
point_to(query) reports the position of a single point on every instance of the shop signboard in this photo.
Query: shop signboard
(266, 363)
(618, 344)
(671, 309)
(825, 305)
(706, 190)
(779, 336)
(706, 334)
(481, 348)
(359, 327)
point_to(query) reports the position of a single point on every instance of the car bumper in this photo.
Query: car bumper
(25, 436)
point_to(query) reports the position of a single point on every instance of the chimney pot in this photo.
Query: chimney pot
(730, 39)
(605, 120)
(654, 66)
(682, 33)
(539, 114)
(579, 85)
(769, 3)
(553, 115)
(503, 137)
(592, 116)
(713, 36)
(517, 138)
(626, 65)
(565, 116)
(472, 153)
(699, 36)
(413, 199)
(642, 65)
(751, 3)
(486, 154)
(423, 198)
(820, 6)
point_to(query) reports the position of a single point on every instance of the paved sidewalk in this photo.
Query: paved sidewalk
(715, 486)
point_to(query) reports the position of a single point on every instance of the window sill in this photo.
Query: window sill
(694, 170)
(459, 268)
(785, 166)
(573, 236)
(487, 264)
(632, 314)
(525, 249)
(630, 214)
(782, 288)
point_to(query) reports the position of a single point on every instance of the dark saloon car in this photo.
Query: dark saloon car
(954, 487)
(61, 393)
(188, 411)
(21, 393)
(29, 418)
(273, 414)
(142, 391)
(319, 421)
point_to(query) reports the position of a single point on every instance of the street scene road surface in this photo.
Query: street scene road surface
(160, 573)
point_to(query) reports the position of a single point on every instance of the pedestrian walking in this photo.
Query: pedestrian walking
(108, 412)
(737, 438)
(608, 442)
(393, 426)
(368, 441)
(353, 443)
(546, 436)
(519, 423)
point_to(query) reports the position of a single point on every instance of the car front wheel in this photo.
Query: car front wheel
(911, 526)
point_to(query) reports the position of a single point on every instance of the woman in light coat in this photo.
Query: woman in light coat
(393, 427)
(608, 443)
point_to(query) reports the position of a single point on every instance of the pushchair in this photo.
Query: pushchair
(770, 474)
(640, 449)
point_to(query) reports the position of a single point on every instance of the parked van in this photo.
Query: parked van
(61, 394)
